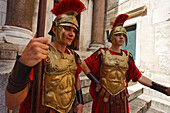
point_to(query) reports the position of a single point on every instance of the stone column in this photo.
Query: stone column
(19, 13)
(97, 39)
(18, 26)
(14, 35)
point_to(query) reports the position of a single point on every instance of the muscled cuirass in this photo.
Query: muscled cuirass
(113, 72)
(59, 81)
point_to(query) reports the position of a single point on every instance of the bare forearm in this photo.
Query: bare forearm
(78, 84)
(84, 67)
(158, 87)
(14, 100)
(145, 81)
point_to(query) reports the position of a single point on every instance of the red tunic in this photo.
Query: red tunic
(94, 64)
(25, 106)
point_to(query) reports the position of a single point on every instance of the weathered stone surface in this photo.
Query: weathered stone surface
(86, 95)
(3, 83)
(85, 82)
(12, 47)
(8, 55)
(134, 94)
(98, 22)
(20, 13)
(6, 66)
(3, 109)
(87, 107)
(152, 110)
(17, 35)
(138, 106)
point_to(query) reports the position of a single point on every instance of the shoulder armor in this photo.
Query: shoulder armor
(98, 53)
(130, 57)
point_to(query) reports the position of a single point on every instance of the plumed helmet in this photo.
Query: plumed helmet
(66, 12)
(117, 27)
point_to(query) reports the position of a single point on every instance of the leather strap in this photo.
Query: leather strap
(159, 88)
(118, 102)
(79, 96)
(107, 103)
(112, 104)
(93, 78)
(101, 104)
(19, 77)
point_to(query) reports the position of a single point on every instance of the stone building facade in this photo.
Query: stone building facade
(151, 19)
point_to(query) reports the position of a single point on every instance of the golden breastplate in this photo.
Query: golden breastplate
(113, 72)
(59, 80)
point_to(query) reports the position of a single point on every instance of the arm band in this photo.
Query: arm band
(159, 88)
(79, 96)
(93, 78)
(18, 78)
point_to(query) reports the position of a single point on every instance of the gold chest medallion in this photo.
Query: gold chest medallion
(113, 72)
(58, 90)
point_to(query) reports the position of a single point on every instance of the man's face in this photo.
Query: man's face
(119, 39)
(68, 35)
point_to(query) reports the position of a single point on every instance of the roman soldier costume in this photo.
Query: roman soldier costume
(61, 70)
(109, 85)
(112, 97)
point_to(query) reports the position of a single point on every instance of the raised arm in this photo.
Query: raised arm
(18, 82)
(149, 83)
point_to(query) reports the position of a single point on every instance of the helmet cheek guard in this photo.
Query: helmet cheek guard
(59, 33)
(118, 30)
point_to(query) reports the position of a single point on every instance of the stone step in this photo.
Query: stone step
(85, 81)
(134, 91)
(156, 94)
(86, 95)
(152, 110)
(156, 103)
(87, 107)
(138, 106)
(157, 100)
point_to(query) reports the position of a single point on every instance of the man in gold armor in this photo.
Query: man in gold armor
(110, 70)
(61, 89)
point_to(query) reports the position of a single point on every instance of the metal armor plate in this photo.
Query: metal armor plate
(59, 80)
(113, 72)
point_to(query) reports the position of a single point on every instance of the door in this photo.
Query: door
(131, 45)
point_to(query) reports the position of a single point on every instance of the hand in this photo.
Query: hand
(35, 51)
(80, 108)
(168, 91)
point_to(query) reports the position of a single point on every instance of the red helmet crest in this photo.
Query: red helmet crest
(120, 19)
(68, 5)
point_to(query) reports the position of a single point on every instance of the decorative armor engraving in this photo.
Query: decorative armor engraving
(59, 81)
(113, 72)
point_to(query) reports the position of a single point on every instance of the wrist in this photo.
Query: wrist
(79, 96)
(93, 78)
(160, 88)
(23, 61)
